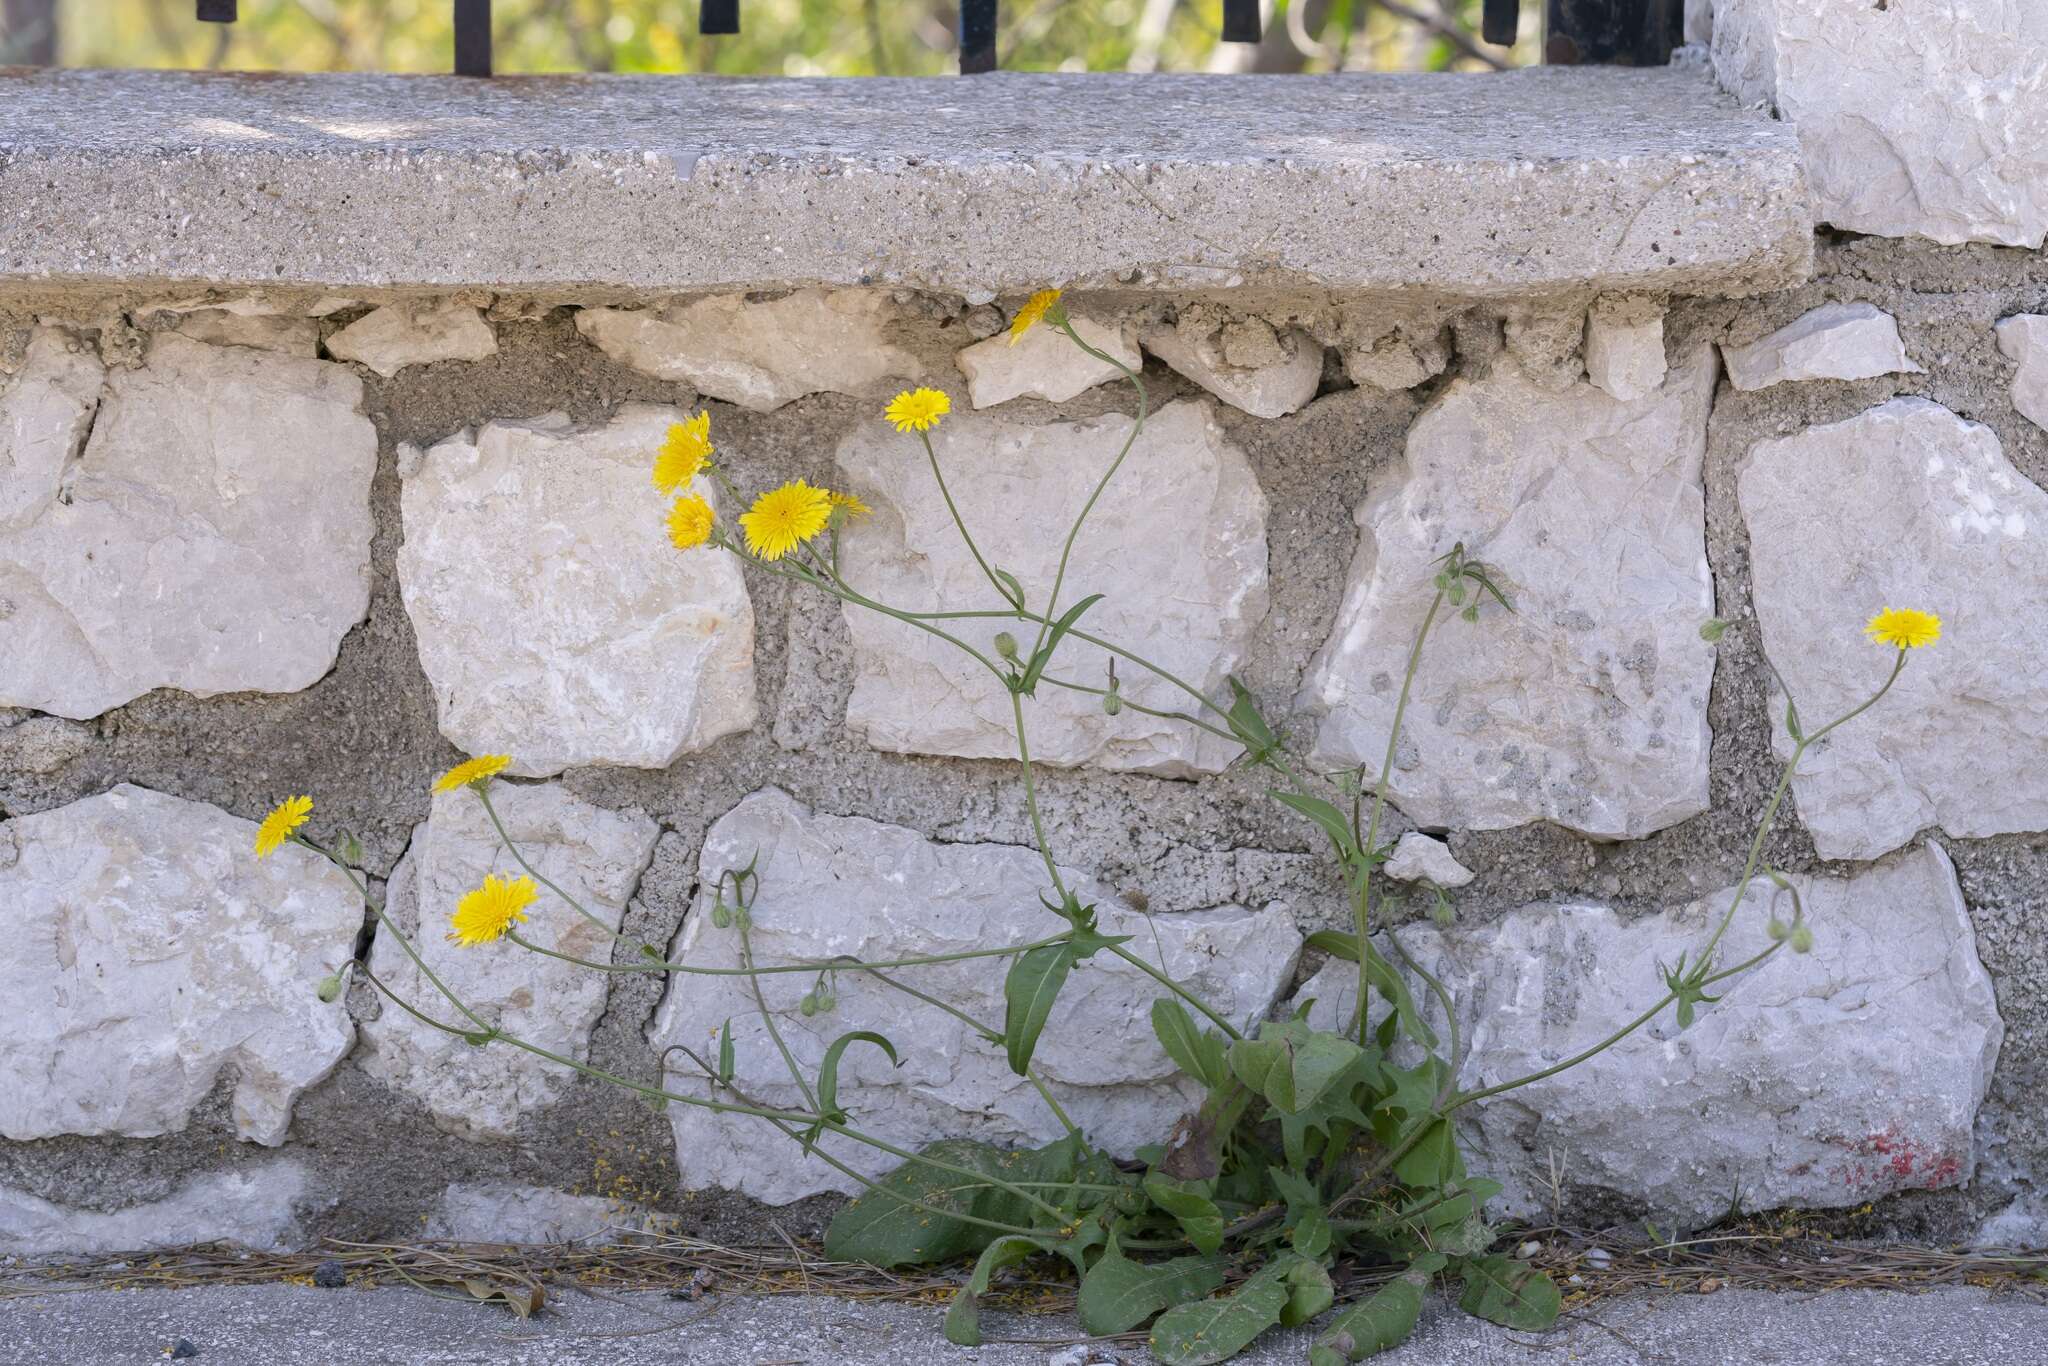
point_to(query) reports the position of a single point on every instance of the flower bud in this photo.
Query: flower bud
(720, 916)
(1777, 930)
(808, 1005)
(1802, 939)
(826, 1000)
(1006, 646)
(330, 988)
(1112, 703)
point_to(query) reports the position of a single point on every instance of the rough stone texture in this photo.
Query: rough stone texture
(1587, 706)
(213, 534)
(1400, 359)
(1045, 364)
(555, 620)
(1543, 180)
(150, 956)
(506, 1212)
(594, 855)
(1822, 1080)
(415, 332)
(2024, 338)
(1928, 120)
(758, 353)
(1905, 505)
(1834, 341)
(262, 331)
(1549, 344)
(1625, 346)
(1418, 858)
(1699, 21)
(1244, 362)
(833, 885)
(254, 1207)
(42, 744)
(1188, 601)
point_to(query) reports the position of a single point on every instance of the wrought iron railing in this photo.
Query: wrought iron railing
(1629, 32)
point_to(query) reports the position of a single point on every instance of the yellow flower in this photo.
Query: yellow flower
(287, 816)
(487, 912)
(471, 771)
(918, 410)
(853, 506)
(1034, 311)
(689, 522)
(684, 453)
(783, 519)
(1906, 627)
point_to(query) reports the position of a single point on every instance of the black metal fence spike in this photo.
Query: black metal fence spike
(1499, 21)
(718, 16)
(977, 36)
(217, 11)
(472, 37)
(1241, 21)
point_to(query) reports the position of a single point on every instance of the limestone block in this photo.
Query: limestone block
(213, 534)
(262, 331)
(1699, 21)
(1418, 858)
(1625, 346)
(833, 885)
(1549, 344)
(1834, 341)
(1045, 363)
(555, 621)
(1177, 546)
(506, 1212)
(1822, 1080)
(1242, 361)
(593, 854)
(1915, 120)
(2024, 338)
(1400, 359)
(41, 744)
(1905, 505)
(418, 332)
(758, 353)
(1587, 705)
(148, 954)
(255, 1207)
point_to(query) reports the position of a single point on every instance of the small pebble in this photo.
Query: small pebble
(1599, 1258)
(1575, 1279)
(330, 1275)
(182, 1350)
(1529, 1249)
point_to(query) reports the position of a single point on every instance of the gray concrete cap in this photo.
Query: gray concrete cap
(1529, 182)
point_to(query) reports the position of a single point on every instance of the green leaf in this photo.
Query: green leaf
(1434, 1160)
(1218, 1329)
(1383, 1320)
(1336, 943)
(1381, 974)
(1013, 590)
(1195, 1052)
(963, 1316)
(1334, 823)
(1033, 984)
(1309, 1292)
(1509, 1293)
(828, 1071)
(1247, 725)
(1312, 1234)
(883, 1230)
(1036, 669)
(1190, 1206)
(1118, 1294)
(1290, 1064)
(725, 1059)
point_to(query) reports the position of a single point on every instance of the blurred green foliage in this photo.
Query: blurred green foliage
(779, 37)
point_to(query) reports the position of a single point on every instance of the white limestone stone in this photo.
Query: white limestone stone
(262, 331)
(555, 621)
(1586, 706)
(254, 1207)
(1177, 545)
(1834, 341)
(1821, 1080)
(1923, 120)
(1905, 505)
(1625, 347)
(594, 855)
(832, 885)
(1418, 858)
(1045, 363)
(759, 353)
(1699, 21)
(213, 534)
(1400, 359)
(148, 954)
(415, 332)
(1549, 344)
(1243, 361)
(507, 1212)
(2024, 338)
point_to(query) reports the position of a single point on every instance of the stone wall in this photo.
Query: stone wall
(313, 538)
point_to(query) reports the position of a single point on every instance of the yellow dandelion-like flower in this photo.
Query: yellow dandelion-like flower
(1034, 312)
(1906, 627)
(287, 816)
(488, 911)
(852, 505)
(684, 453)
(471, 771)
(689, 522)
(918, 410)
(783, 519)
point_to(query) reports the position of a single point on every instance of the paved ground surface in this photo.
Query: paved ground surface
(283, 1325)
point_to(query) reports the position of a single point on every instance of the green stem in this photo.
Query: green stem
(806, 965)
(1176, 988)
(959, 522)
(1031, 800)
